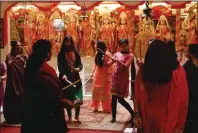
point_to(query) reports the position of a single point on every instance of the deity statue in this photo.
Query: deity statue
(73, 29)
(95, 25)
(114, 29)
(30, 27)
(189, 27)
(106, 33)
(122, 29)
(55, 36)
(146, 33)
(163, 31)
(86, 40)
(41, 26)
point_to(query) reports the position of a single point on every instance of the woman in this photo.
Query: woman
(14, 93)
(101, 80)
(42, 105)
(161, 91)
(69, 66)
(120, 78)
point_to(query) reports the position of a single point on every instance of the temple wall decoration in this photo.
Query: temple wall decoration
(107, 21)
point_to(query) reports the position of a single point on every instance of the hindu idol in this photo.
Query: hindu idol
(189, 27)
(41, 26)
(54, 35)
(30, 28)
(122, 30)
(95, 26)
(163, 31)
(86, 40)
(106, 33)
(146, 33)
(73, 29)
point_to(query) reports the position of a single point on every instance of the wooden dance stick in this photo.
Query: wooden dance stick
(71, 84)
(87, 80)
(110, 57)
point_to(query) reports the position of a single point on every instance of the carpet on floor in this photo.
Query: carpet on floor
(11, 129)
(93, 121)
(100, 120)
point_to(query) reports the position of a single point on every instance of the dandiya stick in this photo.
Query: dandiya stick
(110, 57)
(71, 84)
(87, 80)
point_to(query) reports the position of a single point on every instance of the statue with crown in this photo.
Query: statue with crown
(122, 29)
(106, 32)
(189, 25)
(163, 31)
(146, 32)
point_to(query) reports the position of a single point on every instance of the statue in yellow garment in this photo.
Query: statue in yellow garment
(106, 33)
(163, 31)
(73, 29)
(146, 33)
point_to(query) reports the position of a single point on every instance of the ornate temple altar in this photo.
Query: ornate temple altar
(109, 21)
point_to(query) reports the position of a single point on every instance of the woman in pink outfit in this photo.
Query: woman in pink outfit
(101, 80)
(120, 78)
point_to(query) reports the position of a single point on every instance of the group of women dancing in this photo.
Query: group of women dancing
(164, 94)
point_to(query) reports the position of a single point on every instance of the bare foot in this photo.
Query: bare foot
(95, 110)
(69, 120)
(77, 119)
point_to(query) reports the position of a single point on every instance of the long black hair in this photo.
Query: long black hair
(171, 44)
(124, 41)
(160, 62)
(67, 48)
(40, 53)
(99, 58)
(193, 50)
(13, 49)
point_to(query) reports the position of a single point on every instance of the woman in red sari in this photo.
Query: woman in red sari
(161, 91)
(42, 107)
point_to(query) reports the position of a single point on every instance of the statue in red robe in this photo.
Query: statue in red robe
(30, 28)
(41, 26)
(106, 33)
(73, 29)
(56, 37)
(122, 29)
(86, 40)
(163, 31)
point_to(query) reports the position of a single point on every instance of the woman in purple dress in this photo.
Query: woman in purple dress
(120, 78)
